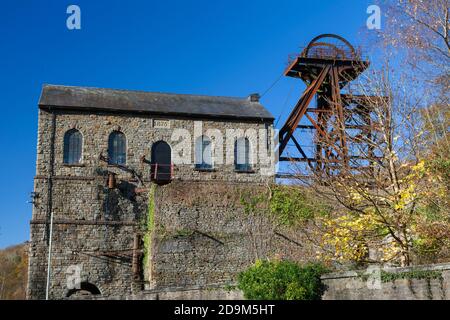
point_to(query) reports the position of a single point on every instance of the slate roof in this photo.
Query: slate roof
(128, 101)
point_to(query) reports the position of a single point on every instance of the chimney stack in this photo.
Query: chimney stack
(254, 97)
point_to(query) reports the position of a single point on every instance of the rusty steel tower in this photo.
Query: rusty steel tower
(327, 65)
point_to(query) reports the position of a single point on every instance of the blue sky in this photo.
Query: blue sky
(226, 48)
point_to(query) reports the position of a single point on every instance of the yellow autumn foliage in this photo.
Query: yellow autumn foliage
(346, 237)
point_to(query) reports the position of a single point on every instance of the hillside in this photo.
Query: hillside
(13, 272)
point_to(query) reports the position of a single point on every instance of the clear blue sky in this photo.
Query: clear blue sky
(228, 48)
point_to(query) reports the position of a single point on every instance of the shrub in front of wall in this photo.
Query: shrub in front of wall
(282, 280)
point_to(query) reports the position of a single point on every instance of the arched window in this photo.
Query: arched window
(73, 144)
(161, 163)
(203, 158)
(242, 155)
(117, 148)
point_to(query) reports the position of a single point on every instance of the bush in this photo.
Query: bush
(282, 280)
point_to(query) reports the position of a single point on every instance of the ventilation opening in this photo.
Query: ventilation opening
(86, 290)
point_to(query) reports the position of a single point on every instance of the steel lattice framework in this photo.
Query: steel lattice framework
(326, 66)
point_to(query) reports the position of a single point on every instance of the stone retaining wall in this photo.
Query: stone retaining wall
(388, 285)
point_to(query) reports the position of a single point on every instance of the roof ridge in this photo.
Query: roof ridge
(90, 98)
(143, 91)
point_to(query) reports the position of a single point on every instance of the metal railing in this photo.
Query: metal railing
(324, 52)
(160, 171)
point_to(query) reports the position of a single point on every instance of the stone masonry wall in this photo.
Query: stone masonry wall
(352, 285)
(94, 227)
(140, 135)
(202, 235)
(93, 230)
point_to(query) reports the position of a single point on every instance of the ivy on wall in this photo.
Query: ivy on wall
(293, 205)
(148, 225)
(290, 205)
(414, 274)
(386, 276)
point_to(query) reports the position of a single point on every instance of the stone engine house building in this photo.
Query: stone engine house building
(125, 220)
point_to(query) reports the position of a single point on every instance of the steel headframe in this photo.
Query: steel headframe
(326, 68)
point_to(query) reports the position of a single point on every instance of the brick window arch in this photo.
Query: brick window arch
(85, 290)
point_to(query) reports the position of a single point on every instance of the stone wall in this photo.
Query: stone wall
(202, 235)
(395, 284)
(140, 135)
(95, 227)
(211, 292)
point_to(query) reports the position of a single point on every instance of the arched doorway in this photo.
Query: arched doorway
(85, 290)
(161, 162)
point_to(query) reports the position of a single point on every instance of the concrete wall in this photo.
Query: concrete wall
(354, 285)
